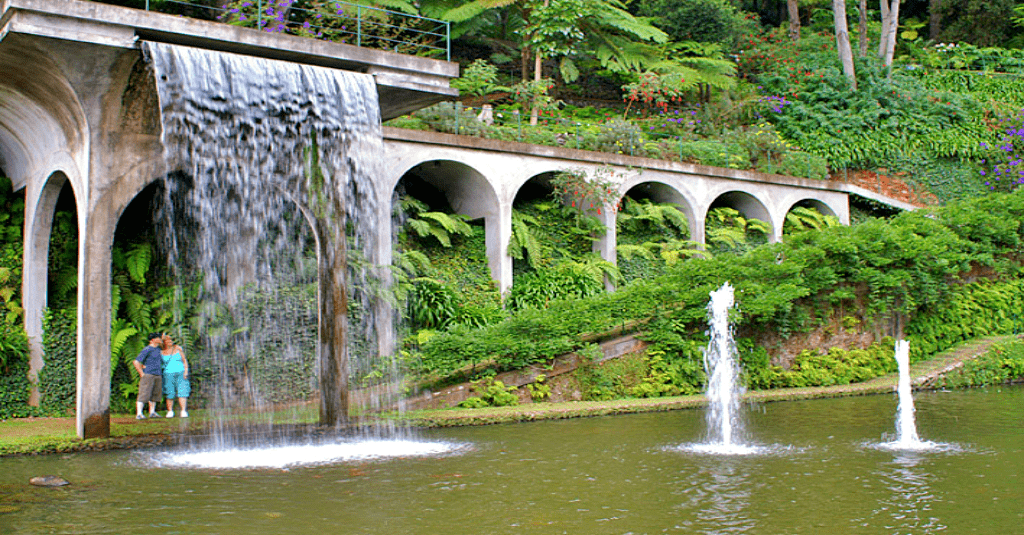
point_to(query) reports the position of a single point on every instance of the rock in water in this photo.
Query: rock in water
(49, 481)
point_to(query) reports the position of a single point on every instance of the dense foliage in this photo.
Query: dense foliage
(912, 266)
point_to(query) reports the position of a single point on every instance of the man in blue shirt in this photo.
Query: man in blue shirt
(148, 364)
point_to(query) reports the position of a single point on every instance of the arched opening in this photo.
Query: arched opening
(448, 254)
(556, 227)
(808, 214)
(654, 229)
(736, 222)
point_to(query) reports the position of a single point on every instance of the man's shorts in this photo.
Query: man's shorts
(149, 388)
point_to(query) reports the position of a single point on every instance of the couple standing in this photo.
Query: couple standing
(162, 366)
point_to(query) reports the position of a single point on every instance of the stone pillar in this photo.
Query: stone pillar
(96, 237)
(499, 235)
(605, 246)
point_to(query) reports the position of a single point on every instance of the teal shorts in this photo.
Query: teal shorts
(176, 385)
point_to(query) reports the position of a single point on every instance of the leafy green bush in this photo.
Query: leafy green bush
(58, 378)
(706, 21)
(538, 289)
(491, 393)
(14, 383)
(452, 118)
(1003, 363)
(716, 153)
(969, 311)
(910, 265)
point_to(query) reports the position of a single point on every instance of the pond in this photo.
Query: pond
(817, 472)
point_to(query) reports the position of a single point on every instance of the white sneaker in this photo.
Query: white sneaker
(184, 414)
(139, 417)
(154, 415)
(170, 414)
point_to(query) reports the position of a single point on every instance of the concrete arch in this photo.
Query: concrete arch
(661, 192)
(40, 113)
(40, 211)
(96, 239)
(819, 205)
(470, 193)
(749, 206)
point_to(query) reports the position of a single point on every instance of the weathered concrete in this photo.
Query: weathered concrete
(78, 106)
(404, 83)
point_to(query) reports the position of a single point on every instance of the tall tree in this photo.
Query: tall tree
(862, 28)
(934, 19)
(843, 41)
(890, 23)
(794, 19)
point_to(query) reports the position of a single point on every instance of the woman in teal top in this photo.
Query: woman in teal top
(175, 370)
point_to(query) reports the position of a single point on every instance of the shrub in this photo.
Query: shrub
(716, 153)
(452, 118)
(1002, 364)
(706, 21)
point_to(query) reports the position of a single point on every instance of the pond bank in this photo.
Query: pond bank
(34, 436)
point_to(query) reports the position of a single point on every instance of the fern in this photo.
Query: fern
(524, 243)
(137, 262)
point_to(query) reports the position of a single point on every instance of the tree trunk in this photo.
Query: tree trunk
(890, 23)
(934, 19)
(538, 64)
(862, 29)
(843, 41)
(794, 20)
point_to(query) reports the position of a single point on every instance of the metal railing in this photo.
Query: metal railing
(336, 21)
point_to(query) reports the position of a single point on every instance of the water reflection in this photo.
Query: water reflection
(720, 495)
(909, 505)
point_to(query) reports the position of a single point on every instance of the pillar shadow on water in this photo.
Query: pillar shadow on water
(271, 199)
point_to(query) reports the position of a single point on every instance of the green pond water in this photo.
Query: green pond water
(819, 471)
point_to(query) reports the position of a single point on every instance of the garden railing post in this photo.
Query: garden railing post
(458, 116)
(359, 25)
(259, 14)
(519, 125)
(448, 40)
(577, 136)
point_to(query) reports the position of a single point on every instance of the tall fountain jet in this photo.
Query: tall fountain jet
(725, 428)
(906, 427)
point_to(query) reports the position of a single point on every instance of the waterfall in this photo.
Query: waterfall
(268, 163)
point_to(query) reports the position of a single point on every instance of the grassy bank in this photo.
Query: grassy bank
(30, 436)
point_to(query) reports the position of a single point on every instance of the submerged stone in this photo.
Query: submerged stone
(49, 481)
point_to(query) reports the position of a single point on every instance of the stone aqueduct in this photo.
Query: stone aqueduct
(78, 110)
